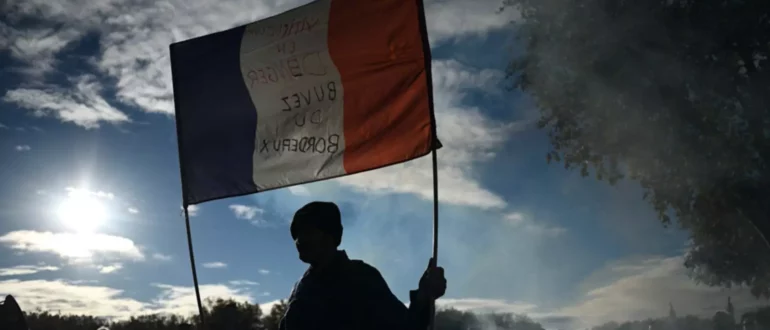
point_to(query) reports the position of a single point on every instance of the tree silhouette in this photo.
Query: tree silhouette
(226, 314)
(673, 94)
(273, 320)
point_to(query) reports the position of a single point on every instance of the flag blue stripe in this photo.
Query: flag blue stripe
(215, 117)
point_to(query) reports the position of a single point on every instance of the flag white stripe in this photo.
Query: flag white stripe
(298, 94)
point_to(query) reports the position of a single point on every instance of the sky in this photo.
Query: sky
(86, 122)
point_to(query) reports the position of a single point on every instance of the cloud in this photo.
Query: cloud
(161, 257)
(264, 272)
(25, 270)
(549, 320)
(81, 247)
(81, 298)
(523, 222)
(23, 148)
(181, 300)
(107, 269)
(267, 306)
(84, 191)
(480, 305)
(251, 213)
(246, 212)
(133, 210)
(81, 104)
(38, 47)
(243, 283)
(68, 298)
(215, 264)
(193, 210)
(299, 190)
(3, 126)
(637, 288)
(632, 288)
(468, 136)
(137, 59)
(460, 18)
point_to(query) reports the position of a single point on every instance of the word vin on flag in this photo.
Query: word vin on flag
(331, 88)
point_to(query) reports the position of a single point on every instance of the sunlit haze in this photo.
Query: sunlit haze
(82, 212)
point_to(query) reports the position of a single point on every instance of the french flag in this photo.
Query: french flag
(332, 88)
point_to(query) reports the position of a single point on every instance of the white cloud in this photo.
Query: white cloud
(246, 212)
(23, 147)
(458, 18)
(639, 288)
(267, 306)
(193, 210)
(526, 223)
(3, 126)
(82, 104)
(468, 137)
(181, 300)
(480, 305)
(68, 298)
(107, 269)
(137, 59)
(299, 190)
(549, 320)
(133, 210)
(38, 47)
(633, 288)
(80, 247)
(84, 191)
(78, 297)
(215, 264)
(264, 271)
(243, 283)
(25, 270)
(161, 257)
(514, 218)
(251, 213)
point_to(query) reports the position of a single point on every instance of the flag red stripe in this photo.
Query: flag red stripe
(377, 48)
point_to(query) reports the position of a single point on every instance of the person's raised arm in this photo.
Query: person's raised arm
(384, 311)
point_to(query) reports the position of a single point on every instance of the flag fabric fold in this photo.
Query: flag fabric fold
(328, 89)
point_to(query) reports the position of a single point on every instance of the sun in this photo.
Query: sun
(82, 212)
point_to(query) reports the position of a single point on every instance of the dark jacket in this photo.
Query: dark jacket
(350, 295)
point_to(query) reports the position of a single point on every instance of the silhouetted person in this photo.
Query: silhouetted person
(338, 293)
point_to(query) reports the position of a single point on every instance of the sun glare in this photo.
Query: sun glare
(82, 212)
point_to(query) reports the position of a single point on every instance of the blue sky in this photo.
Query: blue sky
(86, 111)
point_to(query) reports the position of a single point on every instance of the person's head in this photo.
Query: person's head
(317, 231)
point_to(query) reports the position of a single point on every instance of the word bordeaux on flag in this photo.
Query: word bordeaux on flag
(331, 88)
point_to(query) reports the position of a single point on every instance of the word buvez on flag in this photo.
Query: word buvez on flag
(331, 88)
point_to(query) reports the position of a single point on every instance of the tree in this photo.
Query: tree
(452, 319)
(672, 94)
(273, 320)
(229, 314)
